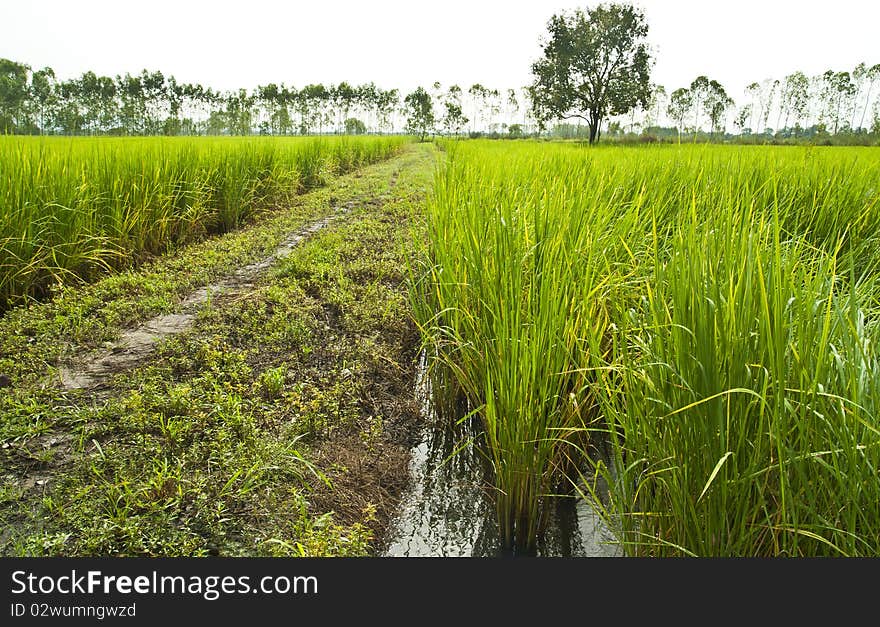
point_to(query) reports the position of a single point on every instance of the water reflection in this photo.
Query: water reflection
(448, 511)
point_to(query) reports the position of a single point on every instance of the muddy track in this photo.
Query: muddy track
(93, 371)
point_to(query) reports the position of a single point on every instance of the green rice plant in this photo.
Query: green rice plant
(707, 313)
(73, 208)
(513, 279)
(743, 411)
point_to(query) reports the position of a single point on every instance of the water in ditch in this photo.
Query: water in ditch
(448, 511)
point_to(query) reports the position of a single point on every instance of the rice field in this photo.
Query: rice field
(74, 208)
(694, 326)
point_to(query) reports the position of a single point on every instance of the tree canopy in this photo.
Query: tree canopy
(419, 113)
(594, 65)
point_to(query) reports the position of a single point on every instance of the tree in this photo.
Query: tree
(875, 124)
(13, 94)
(837, 94)
(239, 112)
(594, 65)
(419, 113)
(680, 103)
(866, 75)
(353, 126)
(716, 105)
(699, 92)
(43, 95)
(655, 106)
(741, 121)
(512, 104)
(343, 97)
(795, 98)
(386, 104)
(478, 95)
(454, 119)
(762, 101)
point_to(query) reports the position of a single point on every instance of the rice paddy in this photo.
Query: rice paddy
(684, 337)
(695, 326)
(73, 208)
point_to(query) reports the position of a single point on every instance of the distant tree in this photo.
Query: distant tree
(492, 104)
(512, 103)
(366, 103)
(837, 93)
(437, 97)
(13, 94)
(419, 113)
(741, 121)
(716, 104)
(216, 123)
(309, 101)
(343, 97)
(353, 126)
(762, 95)
(699, 92)
(875, 124)
(386, 104)
(43, 97)
(240, 112)
(594, 65)
(478, 95)
(453, 120)
(654, 111)
(865, 77)
(680, 103)
(795, 97)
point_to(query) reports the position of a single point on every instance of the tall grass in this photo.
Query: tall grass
(708, 313)
(71, 208)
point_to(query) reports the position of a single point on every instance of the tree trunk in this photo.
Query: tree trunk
(594, 122)
(867, 104)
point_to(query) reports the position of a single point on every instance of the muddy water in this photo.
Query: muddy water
(448, 511)
(94, 370)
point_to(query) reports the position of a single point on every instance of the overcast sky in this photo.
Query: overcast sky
(398, 43)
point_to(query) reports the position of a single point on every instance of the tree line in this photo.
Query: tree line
(151, 103)
(834, 102)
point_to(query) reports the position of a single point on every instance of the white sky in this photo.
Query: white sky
(399, 43)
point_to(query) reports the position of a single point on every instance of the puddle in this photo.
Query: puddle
(448, 512)
(135, 345)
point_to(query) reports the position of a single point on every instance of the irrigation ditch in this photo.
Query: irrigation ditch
(447, 511)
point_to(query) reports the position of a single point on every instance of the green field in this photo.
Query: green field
(72, 208)
(684, 336)
(706, 315)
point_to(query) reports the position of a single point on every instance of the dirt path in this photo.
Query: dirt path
(93, 370)
(271, 413)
